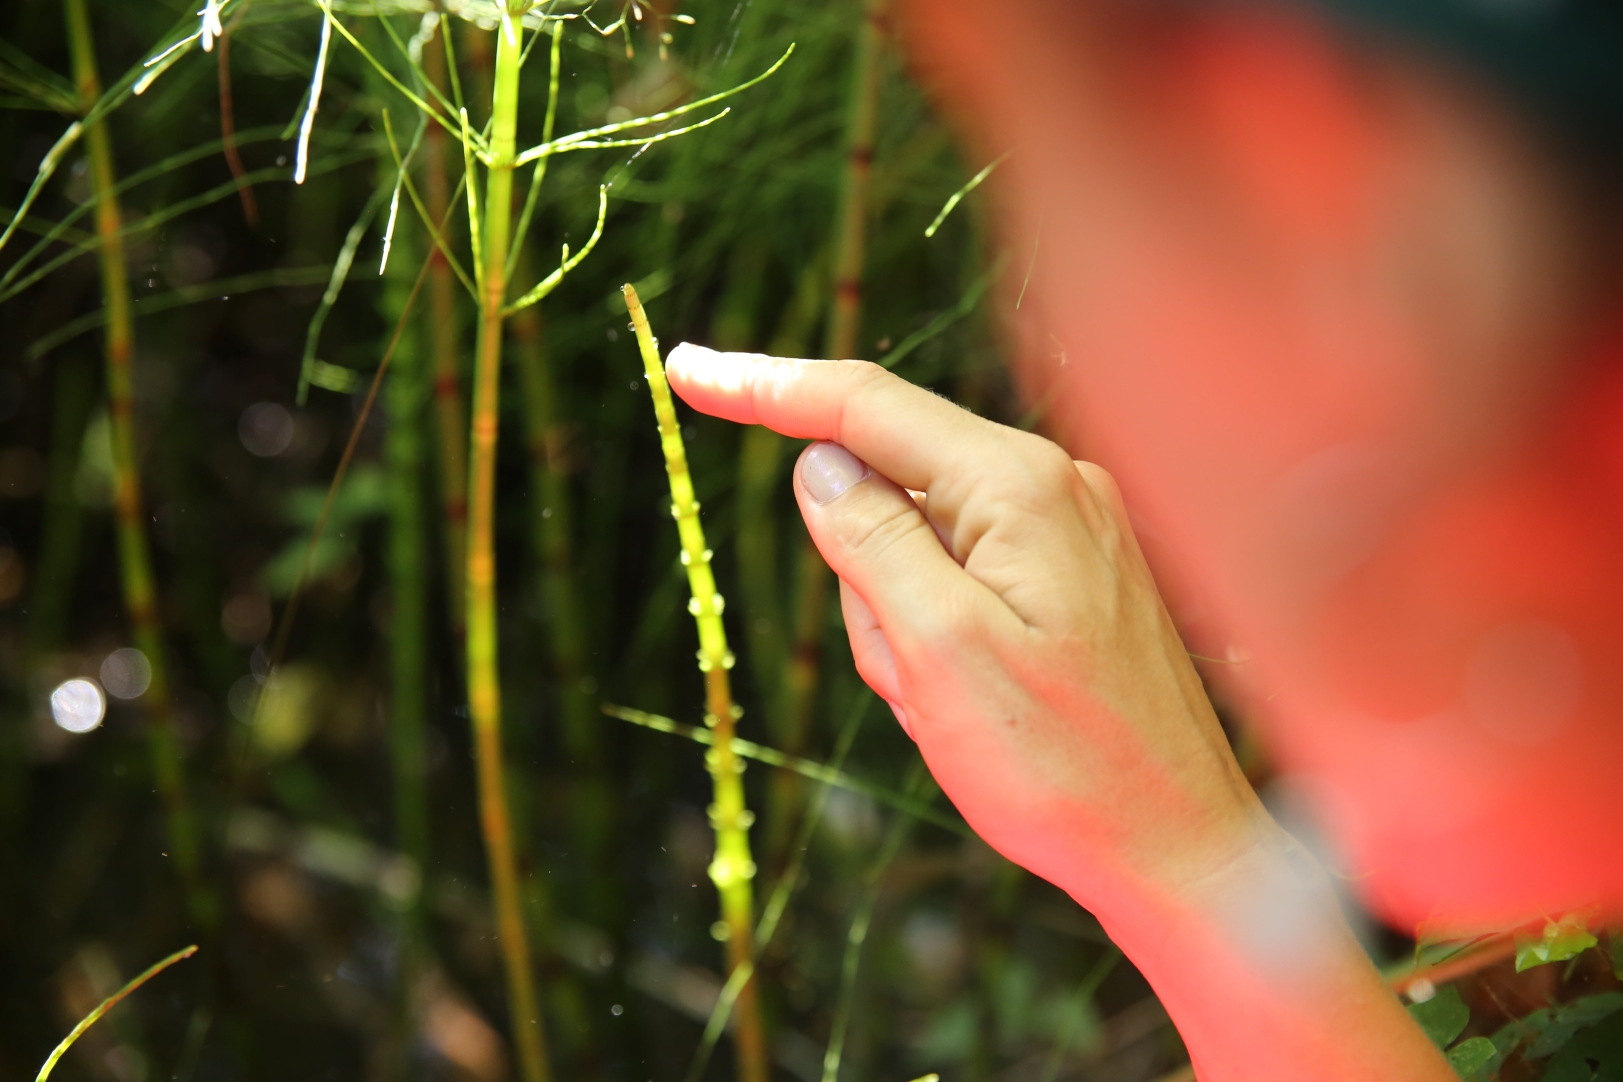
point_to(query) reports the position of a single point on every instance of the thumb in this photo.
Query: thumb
(877, 540)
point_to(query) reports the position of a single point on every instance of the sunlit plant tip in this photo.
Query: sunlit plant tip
(302, 159)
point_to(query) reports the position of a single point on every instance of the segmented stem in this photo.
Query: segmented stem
(484, 688)
(449, 408)
(134, 554)
(840, 343)
(732, 869)
(408, 573)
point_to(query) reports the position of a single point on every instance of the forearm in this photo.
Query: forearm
(1263, 978)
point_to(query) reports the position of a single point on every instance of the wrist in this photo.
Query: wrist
(1256, 967)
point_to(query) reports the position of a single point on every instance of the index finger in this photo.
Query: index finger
(905, 432)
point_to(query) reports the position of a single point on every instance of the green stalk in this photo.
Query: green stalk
(113, 1000)
(732, 870)
(408, 572)
(919, 784)
(448, 405)
(134, 554)
(484, 688)
(552, 516)
(840, 343)
(552, 504)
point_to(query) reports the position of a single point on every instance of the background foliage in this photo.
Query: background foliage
(333, 953)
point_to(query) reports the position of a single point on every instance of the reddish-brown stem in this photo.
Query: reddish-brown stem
(228, 126)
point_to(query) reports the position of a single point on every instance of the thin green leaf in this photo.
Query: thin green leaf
(335, 283)
(644, 121)
(958, 196)
(918, 781)
(570, 262)
(167, 165)
(540, 172)
(748, 749)
(435, 229)
(600, 144)
(168, 213)
(1075, 1011)
(416, 68)
(966, 304)
(47, 166)
(475, 225)
(108, 1004)
(288, 277)
(389, 76)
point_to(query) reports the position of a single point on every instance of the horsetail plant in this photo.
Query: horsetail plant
(449, 408)
(732, 869)
(799, 690)
(491, 238)
(134, 553)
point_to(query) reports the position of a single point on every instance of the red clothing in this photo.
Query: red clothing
(1394, 503)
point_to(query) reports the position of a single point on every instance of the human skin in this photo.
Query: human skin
(1331, 315)
(1008, 616)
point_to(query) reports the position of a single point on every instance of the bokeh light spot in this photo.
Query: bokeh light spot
(78, 705)
(266, 429)
(126, 673)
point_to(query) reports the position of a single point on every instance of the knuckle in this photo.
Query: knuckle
(1045, 474)
(1097, 478)
(873, 535)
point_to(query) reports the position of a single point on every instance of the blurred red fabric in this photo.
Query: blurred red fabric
(1304, 318)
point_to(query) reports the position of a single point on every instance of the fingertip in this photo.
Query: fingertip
(711, 381)
(685, 362)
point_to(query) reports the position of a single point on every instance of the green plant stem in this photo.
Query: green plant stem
(732, 869)
(449, 408)
(552, 510)
(787, 884)
(919, 783)
(552, 518)
(484, 688)
(1076, 1009)
(134, 554)
(408, 574)
(825, 773)
(840, 343)
(111, 1001)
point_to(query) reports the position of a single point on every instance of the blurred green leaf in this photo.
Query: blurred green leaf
(1563, 939)
(1553, 1027)
(1443, 1016)
(1470, 1056)
(1594, 1055)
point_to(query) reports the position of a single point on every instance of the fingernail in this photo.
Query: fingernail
(827, 469)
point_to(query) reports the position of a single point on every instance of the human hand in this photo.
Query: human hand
(1009, 618)
(996, 598)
